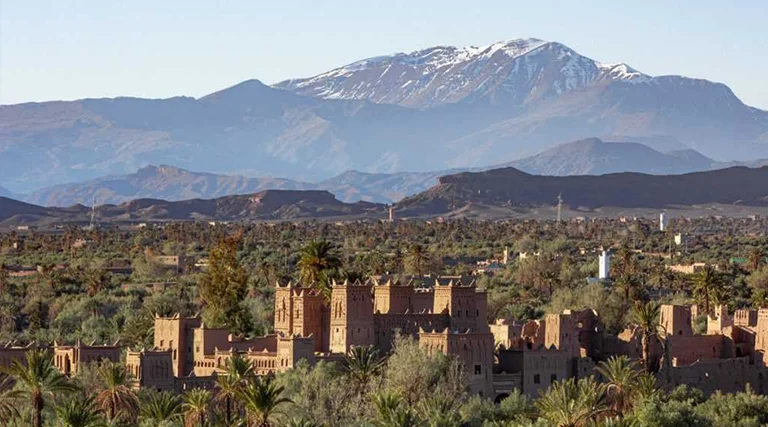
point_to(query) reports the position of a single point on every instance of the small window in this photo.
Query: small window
(478, 369)
(553, 378)
(536, 379)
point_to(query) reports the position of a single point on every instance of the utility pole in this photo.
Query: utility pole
(93, 213)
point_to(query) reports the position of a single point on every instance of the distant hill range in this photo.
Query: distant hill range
(265, 205)
(592, 156)
(584, 157)
(497, 193)
(434, 109)
(511, 189)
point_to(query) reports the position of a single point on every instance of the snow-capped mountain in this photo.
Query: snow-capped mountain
(516, 71)
(435, 109)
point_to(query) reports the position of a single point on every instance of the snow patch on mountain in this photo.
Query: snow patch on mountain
(509, 71)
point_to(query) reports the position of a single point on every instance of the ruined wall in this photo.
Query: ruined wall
(561, 334)
(727, 375)
(507, 334)
(685, 350)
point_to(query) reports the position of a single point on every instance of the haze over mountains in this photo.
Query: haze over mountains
(497, 193)
(265, 205)
(584, 157)
(430, 110)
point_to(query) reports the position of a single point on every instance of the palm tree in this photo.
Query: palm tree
(117, 399)
(439, 411)
(362, 364)
(418, 256)
(161, 406)
(316, 260)
(301, 422)
(94, 280)
(261, 399)
(392, 411)
(238, 371)
(227, 387)
(621, 376)
(647, 318)
(708, 286)
(756, 256)
(645, 387)
(38, 380)
(79, 412)
(196, 407)
(573, 404)
(9, 401)
(239, 367)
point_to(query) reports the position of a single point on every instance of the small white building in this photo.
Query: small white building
(678, 239)
(605, 266)
(663, 221)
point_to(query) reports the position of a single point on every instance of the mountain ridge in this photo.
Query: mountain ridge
(591, 156)
(510, 189)
(494, 107)
(265, 205)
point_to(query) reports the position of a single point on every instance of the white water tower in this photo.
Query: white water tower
(605, 266)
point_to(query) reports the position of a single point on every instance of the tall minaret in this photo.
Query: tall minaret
(560, 207)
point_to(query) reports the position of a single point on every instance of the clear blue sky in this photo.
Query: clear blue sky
(68, 49)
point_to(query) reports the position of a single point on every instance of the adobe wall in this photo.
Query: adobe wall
(423, 300)
(473, 350)
(746, 318)
(685, 350)
(69, 360)
(8, 354)
(389, 326)
(676, 319)
(290, 350)
(462, 305)
(391, 298)
(151, 369)
(727, 375)
(177, 335)
(351, 321)
(542, 368)
(507, 334)
(561, 334)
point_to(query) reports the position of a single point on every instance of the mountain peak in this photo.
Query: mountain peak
(251, 87)
(515, 71)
